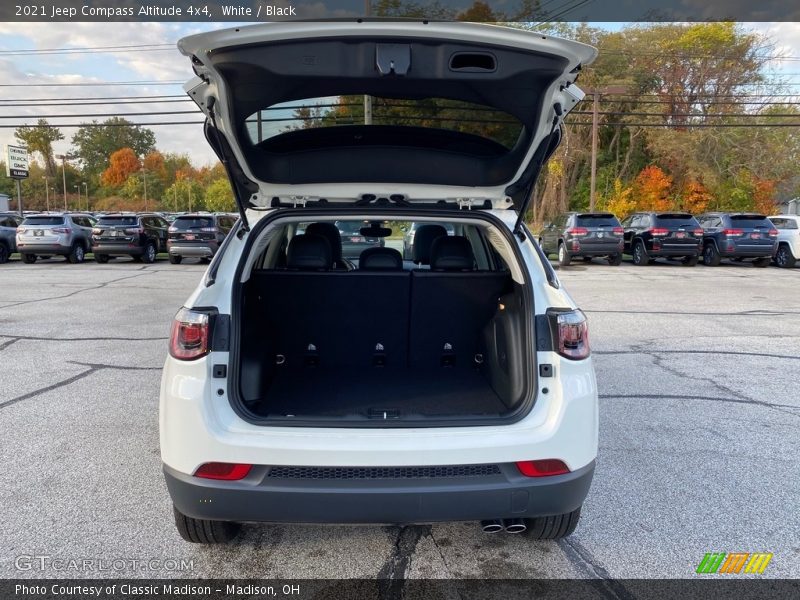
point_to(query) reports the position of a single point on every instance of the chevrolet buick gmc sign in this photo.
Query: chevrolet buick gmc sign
(16, 162)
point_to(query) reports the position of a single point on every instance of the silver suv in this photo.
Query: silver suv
(67, 235)
(8, 232)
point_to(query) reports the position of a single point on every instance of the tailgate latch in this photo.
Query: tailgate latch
(393, 59)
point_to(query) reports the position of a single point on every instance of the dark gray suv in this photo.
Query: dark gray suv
(738, 236)
(8, 234)
(583, 235)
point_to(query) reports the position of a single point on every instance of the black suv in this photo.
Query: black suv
(651, 235)
(583, 235)
(141, 236)
(738, 236)
(198, 235)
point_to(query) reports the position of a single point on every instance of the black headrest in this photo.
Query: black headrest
(309, 252)
(452, 253)
(380, 259)
(331, 233)
(423, 238)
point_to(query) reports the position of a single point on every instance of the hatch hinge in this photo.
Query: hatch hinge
(300, 201)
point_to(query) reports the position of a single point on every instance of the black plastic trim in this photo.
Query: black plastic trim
(259, 498)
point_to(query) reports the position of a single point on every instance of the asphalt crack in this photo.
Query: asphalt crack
(74, 293)
(586, 563)
(689, 398)
(713, 352)
(35, 338)
(392, 575)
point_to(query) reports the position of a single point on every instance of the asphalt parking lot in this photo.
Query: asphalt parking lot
(698, 374)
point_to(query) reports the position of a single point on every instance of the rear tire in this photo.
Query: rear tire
(564, 259)
(202, 531)
(784, 257)
(552, 528)
(640, 254)
(101, 258)
(149, 254)
(77, 254)
(615, 260)
(762, 262)
(690, 261)
(175, 259)
(711, 256)
(28, 259)
(4, 254)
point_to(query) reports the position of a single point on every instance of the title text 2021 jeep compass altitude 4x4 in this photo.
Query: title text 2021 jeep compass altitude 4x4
(455, 386)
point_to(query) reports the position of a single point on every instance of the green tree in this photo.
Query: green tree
(219, 197)
(95, 143)
(40, 139)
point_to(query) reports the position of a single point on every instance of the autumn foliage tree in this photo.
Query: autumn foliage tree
(122, 164)
(695, 198)
(651, 189)
(619, 200)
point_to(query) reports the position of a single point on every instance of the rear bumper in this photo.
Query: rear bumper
(117, 249)
(688, 250)
(28, 248)
(202, 250)
(751, 252)
(261, 498)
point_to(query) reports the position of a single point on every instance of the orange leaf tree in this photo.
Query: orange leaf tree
(695, 197)
(122, 164)
(764, 196)
(651, 189)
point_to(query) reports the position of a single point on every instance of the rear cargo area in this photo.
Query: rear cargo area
(378, 346)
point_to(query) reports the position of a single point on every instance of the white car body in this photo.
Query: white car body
(788, 227)
(197, 422)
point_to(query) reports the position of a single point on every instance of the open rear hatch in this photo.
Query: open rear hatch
(315, 113)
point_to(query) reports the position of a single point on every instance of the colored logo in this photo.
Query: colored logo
(733, 563)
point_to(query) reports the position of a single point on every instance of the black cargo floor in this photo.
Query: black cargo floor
(331, 393)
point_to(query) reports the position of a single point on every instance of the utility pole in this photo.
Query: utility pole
(593, 179)
(596, 92)
(144, 175)
(78, 189)
(86, 193)
(46, 193)
(63, 158)
(367, 98)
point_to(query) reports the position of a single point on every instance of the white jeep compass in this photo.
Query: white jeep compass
(305, 384)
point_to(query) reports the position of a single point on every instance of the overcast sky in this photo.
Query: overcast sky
(160, 65)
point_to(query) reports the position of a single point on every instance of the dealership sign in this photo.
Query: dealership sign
(16, 162)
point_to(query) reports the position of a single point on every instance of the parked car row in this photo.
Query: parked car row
(139, 235)
(647, 236)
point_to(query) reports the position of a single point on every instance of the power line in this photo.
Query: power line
(69, 52)
(62, 99)
(88, 115)
(68, 48)
(104, 83)
(712, 115)
(104, 103)
(67, 125)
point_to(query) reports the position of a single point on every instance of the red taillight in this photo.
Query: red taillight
(226, 471)
(573, 334)
(698, 231)
(542, 468)
(773, 233)
(578, 231)
(61, 230)
(732, 232)
(618, 231)
(659, 231)
(189, 338)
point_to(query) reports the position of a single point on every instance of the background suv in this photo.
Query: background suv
(788, 250)
(737, 236)
(650, 235)
(67, 234)
(198, 235)
(583, 235)
(140, 236)
(8, 234)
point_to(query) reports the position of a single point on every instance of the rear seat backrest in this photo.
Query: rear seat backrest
(424, 237)
(450, 306)
(309, 252)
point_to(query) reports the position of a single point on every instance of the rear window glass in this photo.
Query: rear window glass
(598, 221)
(192, 222)
(44, 221)
(750, 221)
(117, 221)
(434, 113)
(677, 220)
